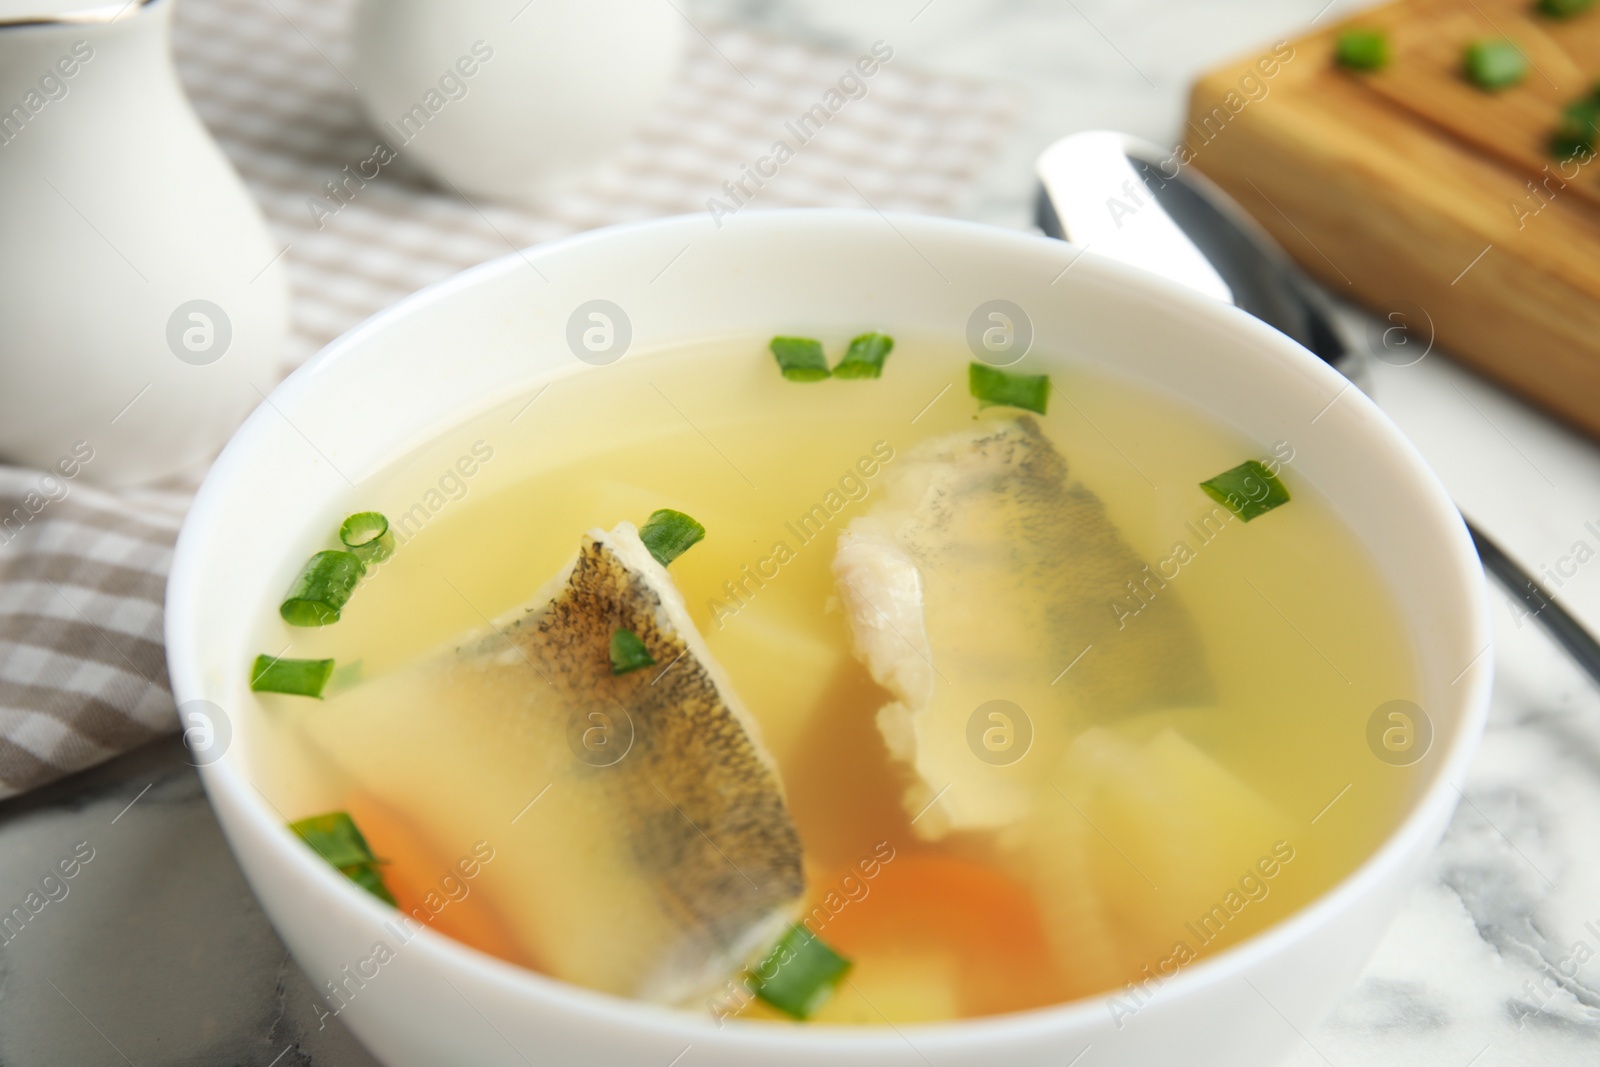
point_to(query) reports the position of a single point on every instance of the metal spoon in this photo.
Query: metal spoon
(1128, 199)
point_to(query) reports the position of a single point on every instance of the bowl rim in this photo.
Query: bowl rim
(228, 786)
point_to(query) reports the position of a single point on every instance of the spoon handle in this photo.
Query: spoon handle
(1568, 632)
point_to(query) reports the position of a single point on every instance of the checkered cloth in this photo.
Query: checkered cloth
(82, 670)
(83, 675)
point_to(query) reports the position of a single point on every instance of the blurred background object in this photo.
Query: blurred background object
(1408, 186)
(143, 303)
(561, 84)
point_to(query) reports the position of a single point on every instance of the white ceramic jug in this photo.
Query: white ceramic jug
(141, 300)
(512, 99)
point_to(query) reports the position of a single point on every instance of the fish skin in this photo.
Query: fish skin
(986, 527)
(705, 814)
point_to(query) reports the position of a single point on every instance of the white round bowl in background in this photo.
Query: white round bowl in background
(497, 332)
(512, 99)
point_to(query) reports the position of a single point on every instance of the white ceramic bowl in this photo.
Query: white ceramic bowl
(494, 332)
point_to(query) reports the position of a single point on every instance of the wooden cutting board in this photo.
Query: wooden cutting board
(1432, 202)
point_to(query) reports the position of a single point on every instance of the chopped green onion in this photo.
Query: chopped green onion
(1248, 490)
(1575, 137)
(800, 973)
(800, 358)
(1363, 49)
(1564, 9)
(297, 677)
(994, 387)
(628, 652)
(322, 588)
(1494, 64)
(669, 534)
(370, 879)
(864, 358)
(335, 838)
(367, 535)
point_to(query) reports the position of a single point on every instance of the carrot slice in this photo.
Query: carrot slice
(934, 902)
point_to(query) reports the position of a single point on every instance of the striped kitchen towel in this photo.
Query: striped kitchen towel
(83, 675)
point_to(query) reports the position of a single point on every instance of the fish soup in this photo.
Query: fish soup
(958, 706)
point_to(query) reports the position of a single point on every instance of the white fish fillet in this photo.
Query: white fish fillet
(980, 575)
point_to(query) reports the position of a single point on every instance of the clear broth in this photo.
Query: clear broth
(1156, 854)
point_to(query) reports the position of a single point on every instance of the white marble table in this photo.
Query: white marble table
(159, 942)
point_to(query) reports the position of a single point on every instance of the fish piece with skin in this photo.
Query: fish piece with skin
(643, 843)
(699, 799)
(980, 575)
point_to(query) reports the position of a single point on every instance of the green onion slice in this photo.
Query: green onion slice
(997, 388)
(1494, 64)
(322, 588)
(297, 677)
(1575, 136)
(335, 838)
(800, 358)
(1248, 490)
(370, 879)
(628, 652)
(1564, 9)
(367, 535)
(669, 534)
(864, 358)
(1362, 49)
(800, 973)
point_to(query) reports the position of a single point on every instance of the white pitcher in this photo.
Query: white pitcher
(512, 99)
(142, 303)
